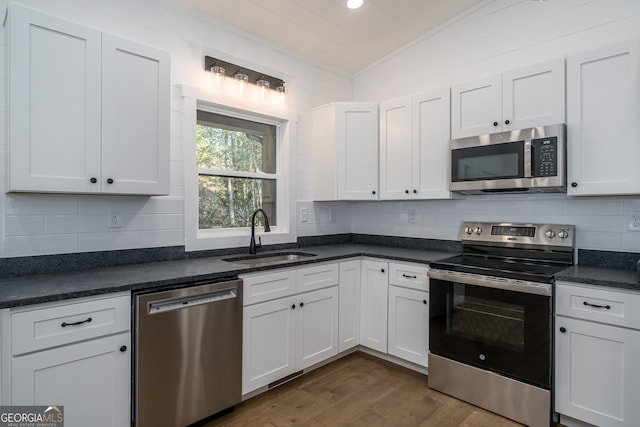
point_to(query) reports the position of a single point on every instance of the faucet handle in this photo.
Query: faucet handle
(259, 244)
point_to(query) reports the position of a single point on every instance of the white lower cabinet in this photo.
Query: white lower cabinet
(349, 305)
(86, 369)
(289, 334)
(90, 379)
(373, 305)
(409, 324)
(596, 364)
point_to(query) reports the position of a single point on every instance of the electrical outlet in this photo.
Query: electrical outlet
(114, 218)
(332, 214)
(412, 216)
(304, 215)
(634, 221)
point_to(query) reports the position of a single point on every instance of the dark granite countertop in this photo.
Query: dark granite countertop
(600, 276)
(35, 289)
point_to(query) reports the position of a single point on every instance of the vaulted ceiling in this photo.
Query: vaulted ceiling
(328, 33)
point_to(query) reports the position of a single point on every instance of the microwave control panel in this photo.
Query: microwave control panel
(544, 156)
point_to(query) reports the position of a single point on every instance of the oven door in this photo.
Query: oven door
(502, 330)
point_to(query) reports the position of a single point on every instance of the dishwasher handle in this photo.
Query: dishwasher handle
(156, 307)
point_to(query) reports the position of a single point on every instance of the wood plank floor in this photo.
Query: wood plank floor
(358, 390)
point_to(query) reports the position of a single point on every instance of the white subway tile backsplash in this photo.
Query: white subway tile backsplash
(24, 225)
(144, 222)
(593, 206)
(29, 204)
(598, 240)
(41, 245)
(173, 221)
(60, 224)
(90, 242)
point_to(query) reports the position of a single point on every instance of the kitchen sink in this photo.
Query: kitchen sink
(268, 258)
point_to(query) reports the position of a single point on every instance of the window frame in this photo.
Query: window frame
(207, 239)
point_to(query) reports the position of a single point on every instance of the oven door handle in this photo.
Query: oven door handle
(491, 282)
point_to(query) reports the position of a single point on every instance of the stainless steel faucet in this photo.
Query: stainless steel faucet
(252, 245)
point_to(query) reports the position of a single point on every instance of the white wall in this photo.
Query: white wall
(51, 224)
(498, 36)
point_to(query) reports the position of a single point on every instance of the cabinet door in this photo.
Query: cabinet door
(476, 107)
(409, 324)
(597, 371)
(533, 96)
(54, 104)
(92, 380)
(316, 326)
(603, 130)
(268, 346)
(357, 153)
(135, 118)
(349, 305)
(373, 305)
(395, 150)
(431, 133)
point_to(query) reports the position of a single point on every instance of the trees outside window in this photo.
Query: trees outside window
(237, 171)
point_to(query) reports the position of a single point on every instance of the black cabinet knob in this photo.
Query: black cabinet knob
(506, 122)
(373, 192)
(301, 304)
(495, 123)
(123, 348)
(382, 270)
(563, 329)
(415, 191)
(574, 184)
(406, 191)
(424, 301)
(93, 180)
(110, 181)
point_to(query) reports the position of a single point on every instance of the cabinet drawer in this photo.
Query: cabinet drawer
(408, 276)
(267, 286)
(316, 277)
(53, 325)
(597, 304)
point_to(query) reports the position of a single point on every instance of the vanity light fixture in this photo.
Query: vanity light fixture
(243, 77)
(354, 4)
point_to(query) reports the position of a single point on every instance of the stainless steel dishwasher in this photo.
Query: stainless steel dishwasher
(188, 353)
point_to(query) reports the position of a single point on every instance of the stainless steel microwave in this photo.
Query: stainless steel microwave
(525, 160)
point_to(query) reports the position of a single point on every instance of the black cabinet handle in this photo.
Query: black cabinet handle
(301, 304)
(87, 320)
(506, 122)
(93, 180)
(608, 307)
(574, 184)
(409, 277)
(110, 181)
(495, 123)
(406, 191)
(424, 301)
(382, 270)
(293, 307)
(415, 191)
(123, 348)
(563, 329)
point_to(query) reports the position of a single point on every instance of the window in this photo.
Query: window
(236, 160)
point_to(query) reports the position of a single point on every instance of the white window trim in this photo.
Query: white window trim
(285, 121)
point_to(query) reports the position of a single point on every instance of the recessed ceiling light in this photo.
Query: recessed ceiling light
(354, 4)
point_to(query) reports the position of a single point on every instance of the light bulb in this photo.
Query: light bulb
(218, 76)
(264, 88)
(243, 81)
(354, 4)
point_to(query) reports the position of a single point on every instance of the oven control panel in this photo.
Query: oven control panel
(514, 234)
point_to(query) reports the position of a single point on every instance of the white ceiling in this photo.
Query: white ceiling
(326, 32)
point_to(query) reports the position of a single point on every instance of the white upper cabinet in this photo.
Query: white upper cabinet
(526, 97)
(414, 136)
(88, 112)
(345, 152)
(603, 130)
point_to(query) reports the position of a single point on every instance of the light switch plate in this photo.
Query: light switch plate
(412, 216)
(634, 221)
(304, 215)
(114, 218)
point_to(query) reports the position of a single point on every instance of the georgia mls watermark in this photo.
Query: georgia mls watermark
(31, 416)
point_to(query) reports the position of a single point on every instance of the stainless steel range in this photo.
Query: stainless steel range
(490, 330)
